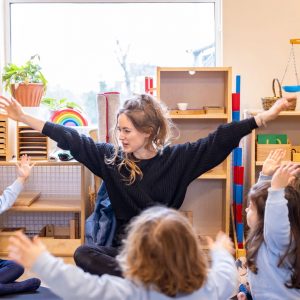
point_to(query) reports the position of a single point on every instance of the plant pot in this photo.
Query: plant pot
(28, 94)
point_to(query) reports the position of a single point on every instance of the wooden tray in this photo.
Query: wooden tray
(187, 112)
(214, 109)
(27, 198)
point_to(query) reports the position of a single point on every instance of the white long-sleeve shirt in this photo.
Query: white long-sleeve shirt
(10, 195)
(71, 283)
(269, 282)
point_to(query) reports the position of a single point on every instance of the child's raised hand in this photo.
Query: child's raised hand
(24, 167)
(283, 175)
(24, 251)
(272, 162)
(222, 241)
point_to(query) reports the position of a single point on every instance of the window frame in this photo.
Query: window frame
(7, 19)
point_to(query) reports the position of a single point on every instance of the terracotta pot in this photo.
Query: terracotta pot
(28, 94)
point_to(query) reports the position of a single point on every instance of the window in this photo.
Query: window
(87, 48)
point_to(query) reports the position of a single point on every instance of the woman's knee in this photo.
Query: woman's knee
(81, 255)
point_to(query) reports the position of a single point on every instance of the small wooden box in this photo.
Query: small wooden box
(214, 109)
(187, 112)
(263, 150)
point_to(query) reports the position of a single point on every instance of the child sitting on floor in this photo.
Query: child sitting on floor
(273, 243)
(161, 259)
(9, 270)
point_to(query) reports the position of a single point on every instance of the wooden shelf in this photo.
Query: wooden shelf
(57, 247)
(295, 113)
(51, 205)
(44, 163)
(200, 116)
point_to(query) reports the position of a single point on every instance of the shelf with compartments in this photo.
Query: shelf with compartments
(31, 142)
(208, 197)
(3, 139)
(286, 123)
(63, 204)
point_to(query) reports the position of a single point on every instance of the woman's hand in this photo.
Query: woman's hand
(24, 251)
(12, 109)
(272, 162)
(24, 167)
(271, 114)
(283, 175)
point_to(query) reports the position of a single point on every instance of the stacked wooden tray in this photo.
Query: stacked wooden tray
(3, 139)
(32, 143)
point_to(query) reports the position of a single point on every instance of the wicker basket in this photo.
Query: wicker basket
(267, 102)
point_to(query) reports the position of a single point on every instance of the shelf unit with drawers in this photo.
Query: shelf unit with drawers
(286, 123)
(208, 197)
(63, 201)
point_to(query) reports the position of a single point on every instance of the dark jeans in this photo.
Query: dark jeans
(9, 273)
(98, 260)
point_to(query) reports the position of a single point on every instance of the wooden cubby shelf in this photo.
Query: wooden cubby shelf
(286, 123)
(207, 197)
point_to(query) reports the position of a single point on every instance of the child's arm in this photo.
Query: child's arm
(12, 192)
(67, 281)
(276, 224)
(271, 164)
(223, 270)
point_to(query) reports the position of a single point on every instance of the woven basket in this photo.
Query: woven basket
(267, 102)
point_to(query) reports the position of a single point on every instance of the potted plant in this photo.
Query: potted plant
(26, 83)
(54, 104)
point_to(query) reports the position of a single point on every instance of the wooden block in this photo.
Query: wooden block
(27, 198)
(72, 229)
(214, 109)
(296, 157)
(263, 150)
(50, 230)
(187, 112)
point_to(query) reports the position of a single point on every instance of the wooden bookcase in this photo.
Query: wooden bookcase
(208, 197)
(31, 142)
(286, 123)
(56, 197)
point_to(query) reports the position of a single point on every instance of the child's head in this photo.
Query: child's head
(257, 197)
(162, 250)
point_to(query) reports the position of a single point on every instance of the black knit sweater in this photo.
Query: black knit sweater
(165, 176)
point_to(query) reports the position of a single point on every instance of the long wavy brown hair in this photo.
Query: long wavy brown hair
(162, 251)
(258, 195)
(148, 115)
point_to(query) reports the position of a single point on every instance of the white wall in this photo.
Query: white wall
(256, 37)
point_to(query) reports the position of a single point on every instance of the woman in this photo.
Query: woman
(141, 170)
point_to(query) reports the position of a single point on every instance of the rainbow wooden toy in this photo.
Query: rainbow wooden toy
(69, 117)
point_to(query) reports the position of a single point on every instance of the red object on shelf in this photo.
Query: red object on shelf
(238, 175)
(235, 101)
(239, 213)
(149, 85)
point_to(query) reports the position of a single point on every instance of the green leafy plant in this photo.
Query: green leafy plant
(56, 104)
(30, 72)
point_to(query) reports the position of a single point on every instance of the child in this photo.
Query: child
(161, 259)
(273, 243)
(9, 270)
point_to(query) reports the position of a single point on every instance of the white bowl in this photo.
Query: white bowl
(182, 106)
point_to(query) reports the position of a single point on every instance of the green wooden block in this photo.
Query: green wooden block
(272, 139)
(266, 138)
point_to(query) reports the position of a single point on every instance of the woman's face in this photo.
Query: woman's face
(132, 140)
(251, 212)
